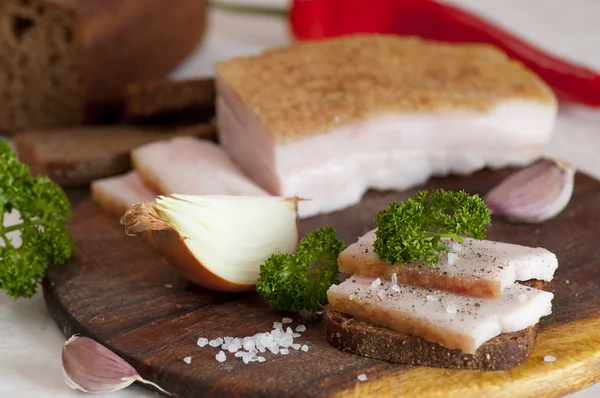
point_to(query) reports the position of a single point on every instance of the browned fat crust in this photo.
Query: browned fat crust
(78, 155)
(357, 337)
(310, 88)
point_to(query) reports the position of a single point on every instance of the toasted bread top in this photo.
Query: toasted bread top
(309, 88)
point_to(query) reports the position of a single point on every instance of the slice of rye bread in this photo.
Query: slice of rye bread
(357, 337)
(160, 101)
(77, 156)
(60, 57)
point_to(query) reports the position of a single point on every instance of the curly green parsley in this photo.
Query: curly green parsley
(294, 282)
(44, 210)
(412, 230)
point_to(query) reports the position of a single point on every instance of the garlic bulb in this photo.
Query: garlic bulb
(534, 194)
(90, 367)
(216, 241)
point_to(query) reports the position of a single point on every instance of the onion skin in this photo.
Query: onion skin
(172, 247)
(143, 219)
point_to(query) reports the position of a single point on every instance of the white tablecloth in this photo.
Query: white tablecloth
(30, 342)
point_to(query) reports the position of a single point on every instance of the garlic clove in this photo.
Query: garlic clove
(534, 194)
(217, 241)
(92, 368)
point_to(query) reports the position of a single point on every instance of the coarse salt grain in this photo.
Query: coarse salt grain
(396, 288)
(187, 360)
(451, 308)
(394, 279)
(457, 247)
(452, 258)
(375, 285)
(168, 285)
(362, 377)
(381, 295)
(248, 344)
(549, 358)
(276, 341)
(431, 297)
(567, 282)
(221, 357)
(286, 341)
(522, 297)
(300, 328)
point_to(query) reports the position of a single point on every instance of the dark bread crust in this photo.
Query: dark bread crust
(164, 100)
(61, 59)
(77, 156)
(357, 337)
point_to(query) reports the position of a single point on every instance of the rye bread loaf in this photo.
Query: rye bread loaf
(78, 155)
(158, 101)
(60, 58)
(357, 337)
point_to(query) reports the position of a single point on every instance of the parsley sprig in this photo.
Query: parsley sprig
(44, 209)
(294, 282)
(412, 230)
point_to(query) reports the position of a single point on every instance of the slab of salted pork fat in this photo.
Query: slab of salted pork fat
(117, 194)
(327, 120)
(187, 165)
(475, 268)
(455, 322)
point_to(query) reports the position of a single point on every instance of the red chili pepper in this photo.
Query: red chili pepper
(315, 19)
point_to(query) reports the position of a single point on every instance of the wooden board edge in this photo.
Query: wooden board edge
(576, 347)
(65, 322)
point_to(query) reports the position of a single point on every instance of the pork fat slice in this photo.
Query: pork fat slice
(455, 322)
(305, 121)
(119, 193)
(191, 166)
(481, 268)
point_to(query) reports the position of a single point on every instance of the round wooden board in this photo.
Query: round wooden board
(115, 291)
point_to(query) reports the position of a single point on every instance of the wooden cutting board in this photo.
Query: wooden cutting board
(114, 290)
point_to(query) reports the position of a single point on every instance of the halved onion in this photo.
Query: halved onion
(217, 241)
